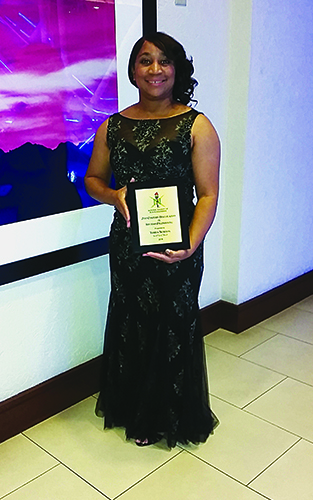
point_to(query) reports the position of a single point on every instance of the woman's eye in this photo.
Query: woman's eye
(165, 62)
(145, 62)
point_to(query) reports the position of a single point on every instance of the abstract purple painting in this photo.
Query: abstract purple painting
(58, 83)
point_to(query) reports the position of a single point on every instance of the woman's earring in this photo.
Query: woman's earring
(134, 80)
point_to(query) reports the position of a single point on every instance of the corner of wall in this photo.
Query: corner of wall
(234, 150)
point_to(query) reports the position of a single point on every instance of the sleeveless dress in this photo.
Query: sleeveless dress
(153, 377)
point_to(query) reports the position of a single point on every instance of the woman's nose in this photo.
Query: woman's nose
(155, 67)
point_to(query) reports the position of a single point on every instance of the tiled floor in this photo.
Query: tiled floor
(261, 385)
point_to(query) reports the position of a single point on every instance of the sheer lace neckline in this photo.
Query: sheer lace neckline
(156, 119)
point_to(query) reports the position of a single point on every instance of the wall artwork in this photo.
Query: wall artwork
(58, 83)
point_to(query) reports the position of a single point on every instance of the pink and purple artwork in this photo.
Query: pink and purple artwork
(58, 83)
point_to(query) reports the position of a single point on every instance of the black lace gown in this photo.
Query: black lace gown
(154, 373)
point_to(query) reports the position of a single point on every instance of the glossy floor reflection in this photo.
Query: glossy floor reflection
(261, 385)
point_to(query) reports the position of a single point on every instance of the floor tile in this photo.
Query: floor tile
(57, 484)
(285, 355)
(260, 390)
(288, 405)
(293, 322)
(111, 464)
(20, 461)
(243, 445)
(306, 304)
(238, 343)
(236, 380)
(290, 478)
(188, 478)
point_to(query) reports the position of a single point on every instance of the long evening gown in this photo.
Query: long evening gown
(154, 373)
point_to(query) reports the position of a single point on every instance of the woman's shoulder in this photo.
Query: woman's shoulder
(108, 122)
(102, 129)
(106, 126)
(202, 121)
(203, 129)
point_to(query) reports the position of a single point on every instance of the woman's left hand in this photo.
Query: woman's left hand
(170, 256)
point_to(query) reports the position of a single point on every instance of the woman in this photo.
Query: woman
(154, 376)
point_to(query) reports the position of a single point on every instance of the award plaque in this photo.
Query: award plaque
(157, 216)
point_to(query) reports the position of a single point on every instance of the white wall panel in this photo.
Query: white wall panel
(276, 242)
(51, 323)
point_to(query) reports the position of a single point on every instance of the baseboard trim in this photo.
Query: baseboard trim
(52, 396)
(49, 398)
(237, 318)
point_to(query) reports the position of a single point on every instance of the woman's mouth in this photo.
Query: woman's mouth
(155, 82)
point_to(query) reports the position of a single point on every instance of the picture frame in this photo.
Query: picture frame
(158, 216)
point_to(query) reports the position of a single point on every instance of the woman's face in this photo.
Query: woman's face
(154, 73)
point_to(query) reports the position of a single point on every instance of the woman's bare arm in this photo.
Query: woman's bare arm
(98, 175)
(205, 164)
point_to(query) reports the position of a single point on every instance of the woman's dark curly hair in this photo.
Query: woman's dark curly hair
(184, 84)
